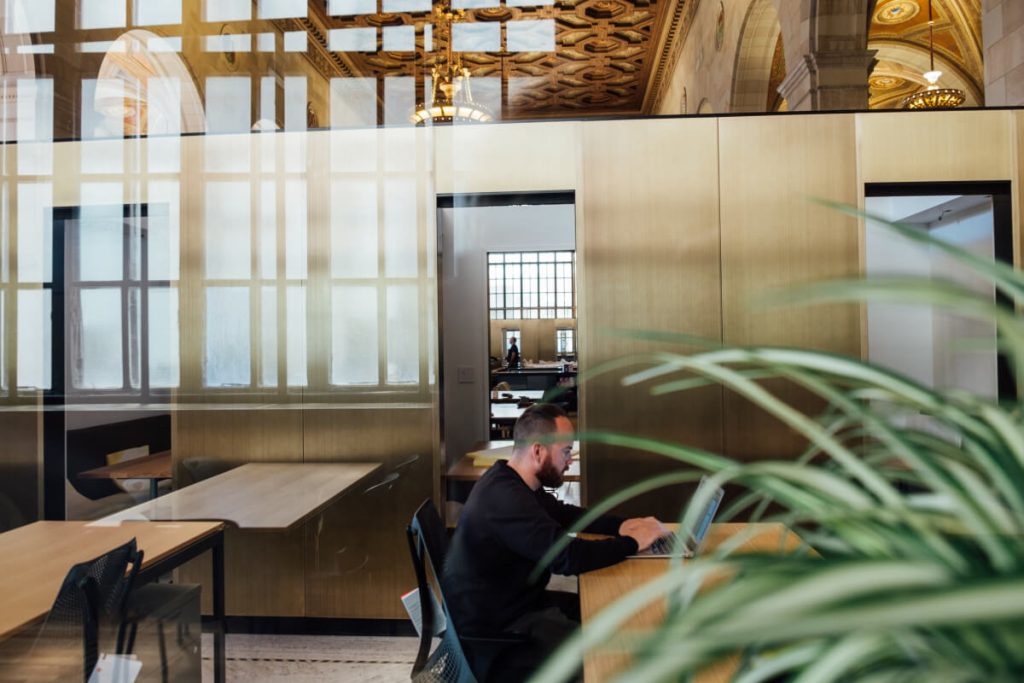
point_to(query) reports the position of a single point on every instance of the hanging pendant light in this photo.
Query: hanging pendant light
(933, 97)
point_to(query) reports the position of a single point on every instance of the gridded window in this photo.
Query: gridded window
(565, 341)
(532, 285)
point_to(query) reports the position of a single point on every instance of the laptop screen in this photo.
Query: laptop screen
(708, 514)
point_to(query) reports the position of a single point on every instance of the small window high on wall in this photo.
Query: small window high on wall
(531, 285)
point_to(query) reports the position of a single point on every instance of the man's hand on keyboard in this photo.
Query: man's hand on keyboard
(643, 530)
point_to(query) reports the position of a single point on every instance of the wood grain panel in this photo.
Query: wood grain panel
(934, 146)
(648, 258)
(533, 157)
(263, 572)
(774, 237)
(357, 560)
(1017, 191)
(20, 468)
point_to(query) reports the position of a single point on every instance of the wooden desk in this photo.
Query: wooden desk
(35, 558)
(603, 586)
(256, 496)
(154, 467)
(465, 470)
(517, 396)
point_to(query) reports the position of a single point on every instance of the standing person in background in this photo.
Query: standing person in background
(512, 358)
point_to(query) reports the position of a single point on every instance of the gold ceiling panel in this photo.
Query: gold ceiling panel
(610, 56)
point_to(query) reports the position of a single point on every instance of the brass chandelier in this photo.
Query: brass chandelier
(933, 97)
(451, 97)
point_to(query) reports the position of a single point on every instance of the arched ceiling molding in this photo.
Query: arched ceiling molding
(131, 61)
(753, 68)
(915, 58)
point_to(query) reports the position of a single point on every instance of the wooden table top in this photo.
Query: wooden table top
(35, 558)
(153, 466)
(603, 586)
(256, 496)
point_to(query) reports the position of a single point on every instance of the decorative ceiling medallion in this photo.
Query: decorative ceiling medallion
(720, 27)
(494, 14)
(886, 82)
(229, 55)
(897, 12)
(385, 19)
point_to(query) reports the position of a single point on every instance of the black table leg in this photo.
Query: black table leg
(219, 658)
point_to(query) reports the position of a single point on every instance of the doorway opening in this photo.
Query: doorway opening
(934, 347)
(507, 264)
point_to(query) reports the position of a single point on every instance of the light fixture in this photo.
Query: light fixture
(933, 97)
(451, 97)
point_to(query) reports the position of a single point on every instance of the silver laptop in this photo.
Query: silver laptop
(685, 545)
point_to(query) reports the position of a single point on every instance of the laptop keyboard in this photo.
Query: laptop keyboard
(664, 545)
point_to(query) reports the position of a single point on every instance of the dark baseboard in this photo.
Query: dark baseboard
(316, 626)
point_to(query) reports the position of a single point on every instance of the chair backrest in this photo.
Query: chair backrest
(427, 547)
(92, 596)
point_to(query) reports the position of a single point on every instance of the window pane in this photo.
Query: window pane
(228, 10)
(227, 337)
(96, 358)
(268, 337)
(156, 12)
(354, 336)
(164, 370)
(35, 126)
(227, 230)
(100, 243)
(34, 339)
(227, 104)
(30, 16)
(354, 228)
(268, 229)
(297, 336)
(400, 228)
(295, 229)
(163, 230)
(35, 232)
(101, 14)
(282, 9)
(403, 334)
(531, 36)
(495, 258)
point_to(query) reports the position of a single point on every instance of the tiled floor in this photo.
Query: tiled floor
(309, 659)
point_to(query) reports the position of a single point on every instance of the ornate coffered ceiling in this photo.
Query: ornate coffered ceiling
(610, 56)
(899, 31)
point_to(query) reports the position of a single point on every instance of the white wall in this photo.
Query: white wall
(466, 235)
(932, 347)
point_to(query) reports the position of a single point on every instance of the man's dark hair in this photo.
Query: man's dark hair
(536, 421)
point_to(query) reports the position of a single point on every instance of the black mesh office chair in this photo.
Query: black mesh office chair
(457, 659)
(90, 603)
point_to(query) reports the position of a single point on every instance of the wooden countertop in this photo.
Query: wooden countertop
(153, 466)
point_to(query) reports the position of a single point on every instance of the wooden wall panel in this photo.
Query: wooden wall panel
(648, 258)
(774, 236)
(935, 146)
(357, 560)
(20, 468)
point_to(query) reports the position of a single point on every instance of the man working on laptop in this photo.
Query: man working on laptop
(507, 526)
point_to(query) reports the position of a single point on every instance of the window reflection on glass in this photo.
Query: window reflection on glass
(29, 16)
(354, 229)
(295, 229)
(354, 335)
(406, 5)
(164, 366)
(401, 246)
(34, 339)
(227, 230)
(531, 36)
(268, 229)
(474, 4)
(399, 38)
(477, 37)
(96, 337)
(268, 337)
(282, 9)
(351, 7)
(297, 333)
(403, 339)
(227, 104)
(295, 41)
(353, 104)
(352, 40)
(156, 12)
(229, 42)
(227, 353)
(227, 10)
(35, 126)
(399, 100)
(101, 14)
(35, 235)
(164, 229)
(100, 254)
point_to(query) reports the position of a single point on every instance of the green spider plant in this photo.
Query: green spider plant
(913, 568)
